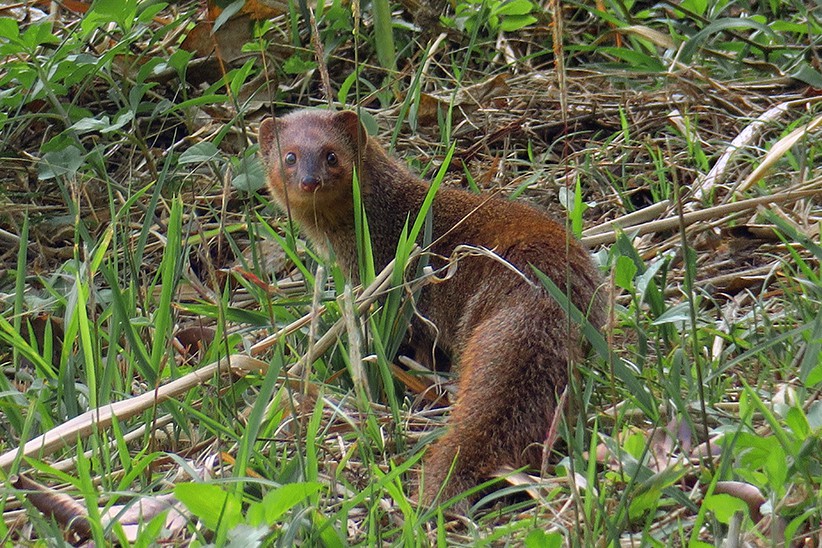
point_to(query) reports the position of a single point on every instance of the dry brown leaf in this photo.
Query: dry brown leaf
(414, 383)
(227, 41)
(192, 341)
(746, 492)
(66, 511)
(73, 515)
(659, 39)
(469, 99)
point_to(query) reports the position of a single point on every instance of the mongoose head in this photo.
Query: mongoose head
(309, 156)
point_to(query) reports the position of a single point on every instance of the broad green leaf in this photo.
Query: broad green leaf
(39, 34)
(121, 12)
(121, 120)
(249, 174)
(798, 423)
(297, 65)
(281, 500)
(9, 29)
(516, 22)
(211, 504)
(60, 163)
(514, 7)
(542, 539)
(699, 39)
(807, 74)
(204, 151)
(624, 272)
(84, 125)
(696, 6)
(725, 506)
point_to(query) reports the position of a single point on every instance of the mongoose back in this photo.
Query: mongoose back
(509, 340)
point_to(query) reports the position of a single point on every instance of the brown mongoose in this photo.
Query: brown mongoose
(508, 338)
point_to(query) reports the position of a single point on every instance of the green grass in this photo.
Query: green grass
(138, 246)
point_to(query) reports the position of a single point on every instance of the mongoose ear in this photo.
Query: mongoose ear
(268, 135)
(350, 125)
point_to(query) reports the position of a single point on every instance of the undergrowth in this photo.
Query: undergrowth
(138, 245)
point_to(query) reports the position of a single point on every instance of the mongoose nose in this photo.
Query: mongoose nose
(309, 183)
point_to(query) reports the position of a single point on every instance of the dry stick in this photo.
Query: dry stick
(779, 149)
(319, 55)
(657, 249)
(634, 218)
(697, 216)
(432, 51)
(721, 221)
(101, 417)
(70, 463)
(319, 284)
(723, 279)
(349, 316)
(704, 185)
(8, 236)
(294, 326)
(654, 250)
(366, 299)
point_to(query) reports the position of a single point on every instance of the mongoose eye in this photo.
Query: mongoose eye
(290, 159)
(331, 159)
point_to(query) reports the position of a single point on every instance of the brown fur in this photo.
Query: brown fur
(508, 337)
